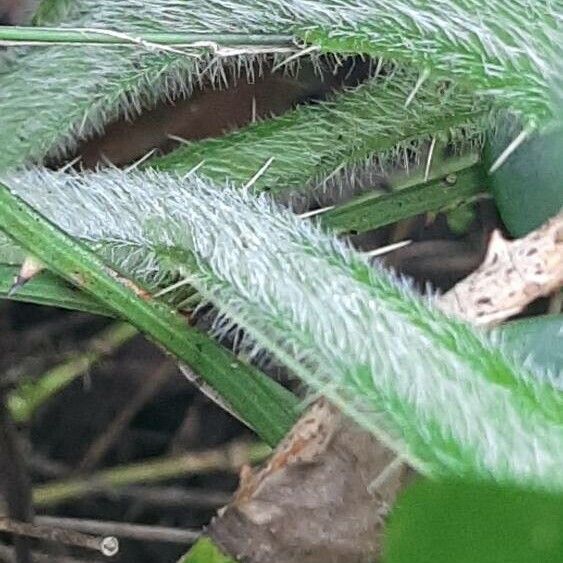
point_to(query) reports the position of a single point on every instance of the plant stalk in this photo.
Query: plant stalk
(18, 35)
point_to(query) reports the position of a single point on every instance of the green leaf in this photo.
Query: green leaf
(463, 522)
(265, 405)
(435, 389)
(48, 289)
(375, 210)
(528, 187)
(205, 551)
(540, 338)
(366, 126)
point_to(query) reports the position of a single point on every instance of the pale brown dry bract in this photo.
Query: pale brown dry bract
(513, 274)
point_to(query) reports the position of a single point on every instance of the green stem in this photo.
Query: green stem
(88, 36)
(262, 403)
(30, 395)
(375, 210)
(229, 458)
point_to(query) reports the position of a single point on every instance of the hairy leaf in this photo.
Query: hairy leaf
(46, 111)
(433, 388)
(364, 128)
(504, 53)
(507, 52)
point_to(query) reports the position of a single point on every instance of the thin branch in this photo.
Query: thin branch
(171, 496)
(25, 399)
(107, 545)
(227, 458)
(123, 530)
(20, 35)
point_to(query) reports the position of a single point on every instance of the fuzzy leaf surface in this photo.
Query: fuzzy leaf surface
(438, 392)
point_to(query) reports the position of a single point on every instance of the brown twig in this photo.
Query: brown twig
(14, 480)
(123, 529)
(107, 545)
(305, 504)
(176, 496)
(226, 458)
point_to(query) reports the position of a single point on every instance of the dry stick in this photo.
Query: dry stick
(151, 384)
(176, 497)
(14, 479)
(123, 529)
(107, 545)
(163, 496)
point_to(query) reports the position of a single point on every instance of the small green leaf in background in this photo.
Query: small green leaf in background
(460, 219)
(540, 338)
(527, 187)
(462, 522)
(29, 395)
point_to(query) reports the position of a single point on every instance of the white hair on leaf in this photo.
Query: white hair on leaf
(431, 387)
(75, 92)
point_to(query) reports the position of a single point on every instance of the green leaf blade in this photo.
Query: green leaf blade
(267, 408)
(431, 387)
(470, 522)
